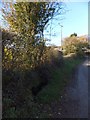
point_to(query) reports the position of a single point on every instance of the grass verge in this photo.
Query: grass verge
(60, 78)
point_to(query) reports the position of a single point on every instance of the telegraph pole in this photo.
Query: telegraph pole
(61, 34)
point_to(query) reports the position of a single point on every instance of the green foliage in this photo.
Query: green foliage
(31, 17)
(74, 45)
(27, 21)
(73, 35)
(9, 108)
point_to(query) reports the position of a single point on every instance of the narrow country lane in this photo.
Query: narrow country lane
(0, 83)
(0, 94)
(75, 100)
(83, 90)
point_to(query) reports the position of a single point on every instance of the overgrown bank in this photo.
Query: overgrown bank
(33, 105)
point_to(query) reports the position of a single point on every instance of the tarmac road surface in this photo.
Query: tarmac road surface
(75, 101)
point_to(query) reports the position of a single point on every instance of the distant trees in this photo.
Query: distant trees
(74, 45)
(73, 35)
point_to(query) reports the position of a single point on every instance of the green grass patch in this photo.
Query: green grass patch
(60, 77)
